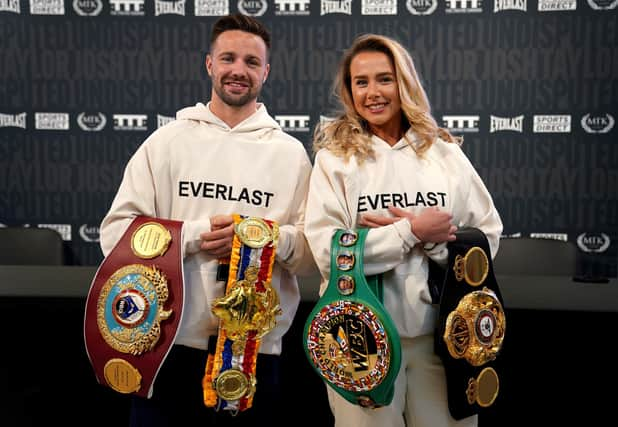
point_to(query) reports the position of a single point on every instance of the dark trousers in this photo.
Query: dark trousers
(178, 396)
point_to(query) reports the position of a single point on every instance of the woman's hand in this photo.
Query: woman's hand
(431, 226)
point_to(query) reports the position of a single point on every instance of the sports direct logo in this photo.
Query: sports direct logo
(553, 123)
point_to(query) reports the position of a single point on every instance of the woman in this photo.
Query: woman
(383, 163)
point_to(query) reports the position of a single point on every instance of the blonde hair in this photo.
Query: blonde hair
(348, 134)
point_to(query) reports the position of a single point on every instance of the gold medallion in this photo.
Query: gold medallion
(233, 384)
(484, 389)
(150, 240)
(473, 267)
(254, 232)
(243, 309)
(475, 329)
(122, 376)
(131, 307)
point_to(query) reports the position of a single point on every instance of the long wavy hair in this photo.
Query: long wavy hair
(348, 133)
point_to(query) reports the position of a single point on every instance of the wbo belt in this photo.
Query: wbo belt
(349, 337)
(134, 306)
(247, 312)
(471, 325)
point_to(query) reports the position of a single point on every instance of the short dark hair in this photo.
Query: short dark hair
(240, 22)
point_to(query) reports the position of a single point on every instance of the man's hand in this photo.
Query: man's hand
(218, 241)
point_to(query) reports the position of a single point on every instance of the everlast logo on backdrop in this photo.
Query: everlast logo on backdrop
(292, 7)
(593, 242)
(13, 120)
(163, 120)
(379, 7)
(10, 6)
(296, 123)
(597, 124)
(176, 7)
(509, 5)
(506, 123)
(343, 6)
(421, 7)
(211, 7)
(398, 200)
(211, 190)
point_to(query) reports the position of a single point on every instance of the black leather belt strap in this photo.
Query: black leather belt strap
(471, 325)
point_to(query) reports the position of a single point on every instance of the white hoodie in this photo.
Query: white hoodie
(196, 167)
(340, 192)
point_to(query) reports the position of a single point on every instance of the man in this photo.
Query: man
(215, 160)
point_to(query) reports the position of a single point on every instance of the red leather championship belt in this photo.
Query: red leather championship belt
(134, 306)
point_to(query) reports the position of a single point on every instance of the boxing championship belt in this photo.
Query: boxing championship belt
(471, 325)
(247, 312)
(134, 306)
(349, 337)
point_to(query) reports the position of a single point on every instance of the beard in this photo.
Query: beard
(236, 100)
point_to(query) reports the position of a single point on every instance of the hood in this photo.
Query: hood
(260, 121)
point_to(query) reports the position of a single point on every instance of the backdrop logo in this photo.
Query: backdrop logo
(176, 7)
(603, 4)
(89, 233)
(421, 7)
(593, 242)
(51, 121)
(293, 123)
(553, 123)
(461, 123)
(557, 5)
(515, 124)
(13, 120)
(130, 122)
(500, 5)
(464, 6)
(252, 7)
(10, 6)
(63, 229)
(554, 236)
(91, 122)
(212, 7)
(127, 7)
(292, 7)
(47, 7)
(87, 7)
(379, 7)
(163, 120)
(330, 6)
(597, 124)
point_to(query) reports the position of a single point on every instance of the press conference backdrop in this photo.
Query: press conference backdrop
(532, 85)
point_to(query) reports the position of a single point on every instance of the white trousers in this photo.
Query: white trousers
(420, 394)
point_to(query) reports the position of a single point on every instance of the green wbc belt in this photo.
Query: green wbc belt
(349, 337)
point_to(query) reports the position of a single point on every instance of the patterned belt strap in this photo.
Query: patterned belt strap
(247, 312)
